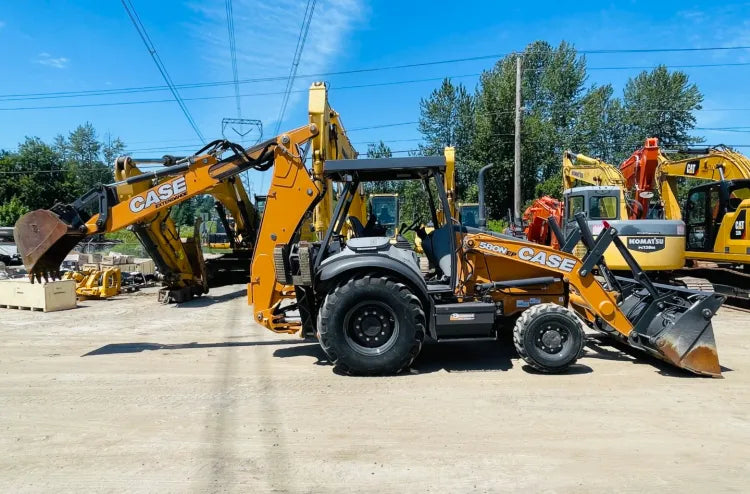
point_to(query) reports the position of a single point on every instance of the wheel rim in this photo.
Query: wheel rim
(551, 338)
(371, 328)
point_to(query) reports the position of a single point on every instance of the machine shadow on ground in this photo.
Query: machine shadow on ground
(609, 349)
(459, 356)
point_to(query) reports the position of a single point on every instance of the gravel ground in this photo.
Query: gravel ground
(131, 395)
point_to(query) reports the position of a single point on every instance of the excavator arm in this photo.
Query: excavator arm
(142, 201)
(579, 167)
(639, 171)
(720, 163)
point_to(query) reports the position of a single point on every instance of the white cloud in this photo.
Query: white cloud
(266, 36)
(50, 61)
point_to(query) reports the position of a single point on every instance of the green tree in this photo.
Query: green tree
(11, 210)
(447, 119)
(661, 104)
(82, 155)
(183, 214)
(552, 87)
(379, 150)
(38, 175)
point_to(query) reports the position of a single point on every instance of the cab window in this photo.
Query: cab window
(603, 208)
(575, 206)
(736, 196)
(697, 208)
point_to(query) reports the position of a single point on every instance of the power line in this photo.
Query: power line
(201, 98)
(301, 38)
(136, 20)
(233, 54)
(137, 89)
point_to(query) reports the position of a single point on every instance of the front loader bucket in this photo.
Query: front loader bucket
(43, 240)
(676, 327)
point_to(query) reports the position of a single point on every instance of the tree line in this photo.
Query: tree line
(560, 111)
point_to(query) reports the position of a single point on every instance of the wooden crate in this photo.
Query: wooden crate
(47, 297)
(145, 266)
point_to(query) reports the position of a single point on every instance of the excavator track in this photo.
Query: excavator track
(727, 281)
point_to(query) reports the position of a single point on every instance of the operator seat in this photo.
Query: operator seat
(357, 226)
(437, 248)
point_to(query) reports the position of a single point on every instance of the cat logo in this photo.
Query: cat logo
(738, 228)
(691, 167)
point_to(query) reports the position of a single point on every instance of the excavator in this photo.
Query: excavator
(656, 243)
(717, 246)
(367, 302)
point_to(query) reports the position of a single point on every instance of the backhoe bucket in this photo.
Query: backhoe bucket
(676, 327)
(43, 240)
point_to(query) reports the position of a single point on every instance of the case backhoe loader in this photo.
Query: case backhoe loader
(370, 306)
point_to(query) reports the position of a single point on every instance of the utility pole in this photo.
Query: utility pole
(517, 147)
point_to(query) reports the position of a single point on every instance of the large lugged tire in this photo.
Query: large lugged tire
(371, 325)
(549, 337)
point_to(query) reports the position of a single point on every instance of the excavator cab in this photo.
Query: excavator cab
(715, 206)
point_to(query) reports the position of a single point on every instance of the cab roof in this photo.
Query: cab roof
(379, 169)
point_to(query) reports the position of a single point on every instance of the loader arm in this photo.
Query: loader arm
(668, 322)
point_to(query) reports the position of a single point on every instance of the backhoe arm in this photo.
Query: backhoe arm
(141, 200)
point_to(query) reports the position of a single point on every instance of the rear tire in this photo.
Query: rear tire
(371, 326)
(549, 337)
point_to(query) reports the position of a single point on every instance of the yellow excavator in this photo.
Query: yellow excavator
(365, 298)
(717, 245)
(657, 244)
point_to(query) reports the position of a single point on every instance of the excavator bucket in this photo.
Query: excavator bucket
(44, 239)
(676, 327)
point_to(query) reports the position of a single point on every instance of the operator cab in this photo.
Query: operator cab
(438, 244)
(707, 205)
(595, 202)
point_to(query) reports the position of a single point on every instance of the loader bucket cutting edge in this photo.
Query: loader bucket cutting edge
(43, 240)
(688, 340)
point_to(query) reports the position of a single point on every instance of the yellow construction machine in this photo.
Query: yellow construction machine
(96, 283)
(365, 298)
(656, 244)
(715, 212)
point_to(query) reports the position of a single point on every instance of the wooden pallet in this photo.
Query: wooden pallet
(20, 307)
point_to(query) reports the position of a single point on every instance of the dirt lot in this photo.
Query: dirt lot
(128, 394)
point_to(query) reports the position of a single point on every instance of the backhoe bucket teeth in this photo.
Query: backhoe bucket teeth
(677, 328)
(43, 240)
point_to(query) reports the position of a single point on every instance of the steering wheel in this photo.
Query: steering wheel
(412, 226)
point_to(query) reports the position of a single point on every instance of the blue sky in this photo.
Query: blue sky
(49, 46)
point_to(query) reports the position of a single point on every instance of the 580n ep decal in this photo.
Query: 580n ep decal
(164, 194)
(554, 261)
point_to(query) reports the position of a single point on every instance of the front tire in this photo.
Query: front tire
(549, 337)
(371, 325)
